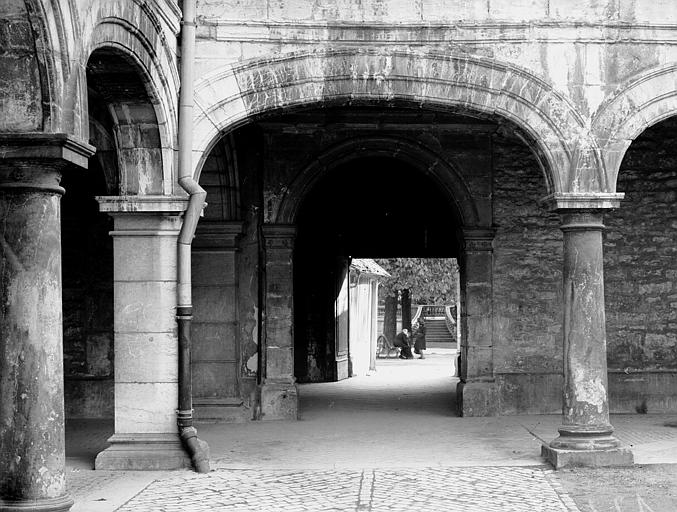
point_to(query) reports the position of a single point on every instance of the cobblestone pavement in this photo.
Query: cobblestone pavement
(402, 418)
(471, 489)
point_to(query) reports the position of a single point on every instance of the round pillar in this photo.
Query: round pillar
(585, 437)
(32, 444)
(586, 408)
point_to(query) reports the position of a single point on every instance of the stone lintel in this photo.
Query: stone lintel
(141, 452)
(583, 201)
(562, 458)
(158, 205)
(34, 146)
(278, 400)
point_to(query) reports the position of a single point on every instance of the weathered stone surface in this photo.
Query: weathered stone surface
(278, 401)
(576, 81)
(32, 457)
(146, 345)
(477, 398)
(641, 296)
(560, 458)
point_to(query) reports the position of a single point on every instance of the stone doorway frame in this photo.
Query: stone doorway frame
(473, 229)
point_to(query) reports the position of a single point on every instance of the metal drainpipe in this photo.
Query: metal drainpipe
(196, 448)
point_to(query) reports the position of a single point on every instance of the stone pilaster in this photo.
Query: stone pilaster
(216, 360)
(146, 343)
(32, 443)
(585, 437)
(476, 391)
(278, 394)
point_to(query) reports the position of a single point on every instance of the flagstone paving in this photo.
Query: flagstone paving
(470, 489)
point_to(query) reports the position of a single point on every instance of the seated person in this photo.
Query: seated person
(402, 341)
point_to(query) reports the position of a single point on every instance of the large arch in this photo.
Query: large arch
(640, 103)
(416, 155)
(567, 154)
(134, 31)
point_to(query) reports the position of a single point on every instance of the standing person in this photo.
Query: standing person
(419, 338)
(402, 341)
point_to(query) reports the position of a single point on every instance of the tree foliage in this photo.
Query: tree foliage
(429, 280)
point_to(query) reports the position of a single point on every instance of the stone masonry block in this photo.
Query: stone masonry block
(214, 303)
(140, 258)
(215, 379)
(145, 307)
(146, 357)
(146, 407)
(478, 299)
(278, 401)
(280, 362)
(479, 361)
(213, 341)
(479, 330)
(213, 268)
(477, 398)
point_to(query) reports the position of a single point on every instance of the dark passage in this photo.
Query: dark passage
(369, 207)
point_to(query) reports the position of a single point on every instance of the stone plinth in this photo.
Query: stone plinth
(563, 458)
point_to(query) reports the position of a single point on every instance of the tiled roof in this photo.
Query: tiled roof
(368, 266)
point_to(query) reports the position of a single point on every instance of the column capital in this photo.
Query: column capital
(218, 234)
(33, 147)
(562, 201)
(279, 236)
(139, 205)
(478, 239)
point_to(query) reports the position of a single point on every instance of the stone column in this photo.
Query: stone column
(476, 392)
(586, 434)
(278, 398)
(146, 341)
(32, 442)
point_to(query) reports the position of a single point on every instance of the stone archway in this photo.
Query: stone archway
(639, 104)
(232, 95)
(418, 156)
(363, 192)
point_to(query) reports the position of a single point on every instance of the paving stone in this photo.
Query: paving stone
(471, 489)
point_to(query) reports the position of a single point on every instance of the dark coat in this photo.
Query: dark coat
(401, 340)
(419, 338)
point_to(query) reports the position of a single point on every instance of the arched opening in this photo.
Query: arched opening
(124, 130)
(639, 265)
(309, 188)
(368, 207)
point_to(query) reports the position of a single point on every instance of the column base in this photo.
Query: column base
(586, 445)
(477, 398)
(59, 504)
(278, 401)
(562, 458)
(150, 452)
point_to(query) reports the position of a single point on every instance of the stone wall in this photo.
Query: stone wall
(21, 101)
(640, 252)
(87, 252)
(527, 284)
(225, 263)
